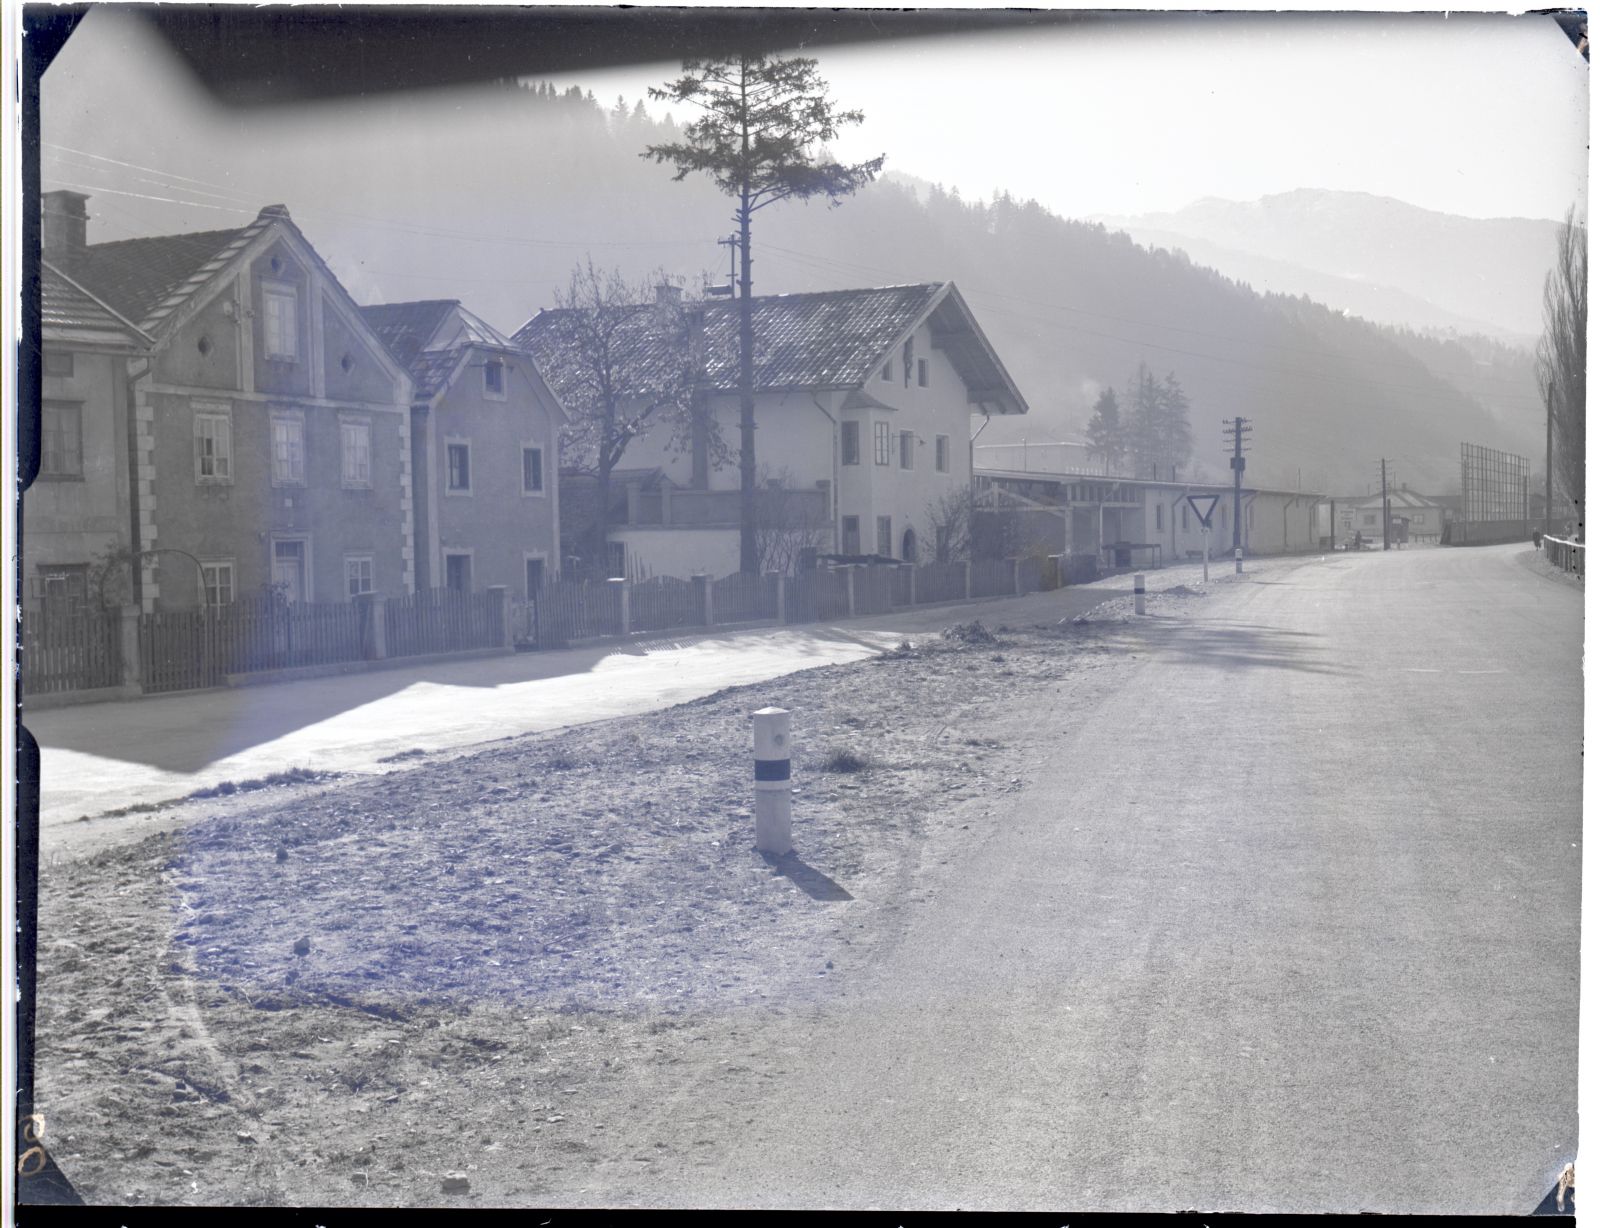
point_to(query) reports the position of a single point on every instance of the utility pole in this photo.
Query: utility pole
(1383, 478)
(1236, 430)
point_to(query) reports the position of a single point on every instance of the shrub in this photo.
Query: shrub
(843, 759)
(968, 633)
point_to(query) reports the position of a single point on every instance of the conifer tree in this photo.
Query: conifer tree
(1105, 431)
(761, 136)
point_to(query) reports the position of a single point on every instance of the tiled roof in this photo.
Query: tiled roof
(831, 339)
(407, 327)
(137, 276)
(431, 371)
(66, 309)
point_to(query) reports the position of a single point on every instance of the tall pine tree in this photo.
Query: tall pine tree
(1106, 442)
(762, 137)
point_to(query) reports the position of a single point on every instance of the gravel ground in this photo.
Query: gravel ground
(430, 987)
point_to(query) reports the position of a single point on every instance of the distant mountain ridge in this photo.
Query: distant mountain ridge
(1383, 258)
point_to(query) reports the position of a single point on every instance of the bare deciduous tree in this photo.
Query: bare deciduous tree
(1562, 356)
(789, 522)
(950, 526)
(623, 364)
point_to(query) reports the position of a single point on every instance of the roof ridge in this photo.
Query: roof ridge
(415, 302)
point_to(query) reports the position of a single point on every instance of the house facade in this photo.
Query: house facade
(485, 436)
(268, 437)
(76, 511)
(1413, 517)
(865, 402)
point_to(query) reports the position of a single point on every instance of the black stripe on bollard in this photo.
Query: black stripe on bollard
(772, 769)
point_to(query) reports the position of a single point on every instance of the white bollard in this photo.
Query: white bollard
(1138, 593)
(773, 833)
(1238, 560)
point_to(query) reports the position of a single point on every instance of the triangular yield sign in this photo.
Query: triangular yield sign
(1203, 506)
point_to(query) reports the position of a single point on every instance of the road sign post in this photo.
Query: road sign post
(1138, 593)
(1204, 506)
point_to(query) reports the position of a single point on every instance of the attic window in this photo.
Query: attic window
(203, 345)
(494, 378)
(277, 265)
(346, 362)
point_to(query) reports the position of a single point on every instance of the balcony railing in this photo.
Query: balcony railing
(698, 509)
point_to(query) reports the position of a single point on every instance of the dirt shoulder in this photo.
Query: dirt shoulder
(452, 984)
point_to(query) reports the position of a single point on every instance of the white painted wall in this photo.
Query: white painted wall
(680, 552)
(795, 437)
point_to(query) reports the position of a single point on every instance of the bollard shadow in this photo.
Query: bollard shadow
(808, 878)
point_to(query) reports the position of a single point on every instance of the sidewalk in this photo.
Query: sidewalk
(105, 756)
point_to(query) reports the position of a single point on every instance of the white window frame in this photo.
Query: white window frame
(490, 394)
(53, 404)
(285, 347)
(543, 486)
(357, 561)
(355, 480)
(849, 431)
(885, 537)
(941, 453)
(908, 450)
(213, 422)
(844, 534)
(882, 449)
(454, 442)
(213, 571)
(292, 472)
(922, 373)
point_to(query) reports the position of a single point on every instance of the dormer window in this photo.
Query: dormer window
(494, 378)
(347, 362)
(280, 326)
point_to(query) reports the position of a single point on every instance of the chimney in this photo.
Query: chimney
(63, 222)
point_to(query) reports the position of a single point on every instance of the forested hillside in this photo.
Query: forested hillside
(1070, 307)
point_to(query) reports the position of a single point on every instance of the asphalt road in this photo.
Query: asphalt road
(105, 756)
(1288, 923)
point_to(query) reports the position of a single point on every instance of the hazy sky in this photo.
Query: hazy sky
(1472, 114)
(1479, 115)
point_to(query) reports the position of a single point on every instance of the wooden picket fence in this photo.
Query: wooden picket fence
(992, 578)
(941, 582)
(663, 603)
(742, 598)
(71, 652)
(441, 620)
(566, 610)
(821, 595)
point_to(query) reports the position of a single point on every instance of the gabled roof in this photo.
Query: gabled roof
(138, 276)
(69, 313)
(147, 280)
(833, 339)
(406, 328)
(416, 334)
